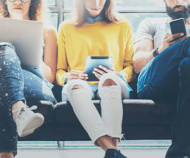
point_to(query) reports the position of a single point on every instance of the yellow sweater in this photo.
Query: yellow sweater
(97, 39)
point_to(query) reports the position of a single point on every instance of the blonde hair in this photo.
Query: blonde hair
(36, 11)
(108, 11)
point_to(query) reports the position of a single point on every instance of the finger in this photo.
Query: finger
(97, 74)
(184, 37)
(82, 75)
(174, 36)
(105, 68)
(99, 71)
(180, 39)
(75, 72)
(83, 78)
(178, 34)
(78, 78)
(73, 76)
(167, 35)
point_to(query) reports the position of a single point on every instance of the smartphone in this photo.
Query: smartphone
(178, 26)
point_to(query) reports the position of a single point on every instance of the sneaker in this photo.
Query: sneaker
(27, 121)
(112, 153)
(176, 151)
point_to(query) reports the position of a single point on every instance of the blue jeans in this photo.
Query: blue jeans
(167, 77)
(17, 84)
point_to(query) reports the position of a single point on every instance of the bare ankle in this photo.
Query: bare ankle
(16, 106)
(105, 143)
(115, 141)
(6, 155)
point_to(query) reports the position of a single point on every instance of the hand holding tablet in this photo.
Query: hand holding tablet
(97, 65)
(74, 74)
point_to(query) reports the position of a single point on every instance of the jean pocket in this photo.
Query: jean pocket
(147, 92)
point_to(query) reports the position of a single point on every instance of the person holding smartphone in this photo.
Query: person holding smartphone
(21, 85)
(163, 63)
(96, 30)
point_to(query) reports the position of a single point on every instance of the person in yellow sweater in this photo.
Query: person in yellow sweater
(96, 30)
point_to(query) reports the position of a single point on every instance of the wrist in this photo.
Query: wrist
(122, 76)
(66, 78)
(160, 50)
(155, 52)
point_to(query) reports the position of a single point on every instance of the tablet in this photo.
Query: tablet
(27, 38)
(94, 62)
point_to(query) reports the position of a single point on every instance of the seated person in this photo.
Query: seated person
(164, 67)
(19, 85)
(96, 31)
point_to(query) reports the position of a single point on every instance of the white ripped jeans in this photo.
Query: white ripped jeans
(111, 106)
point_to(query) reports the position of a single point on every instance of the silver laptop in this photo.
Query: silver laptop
(26, 36)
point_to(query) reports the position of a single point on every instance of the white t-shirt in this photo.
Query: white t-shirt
(154, 29)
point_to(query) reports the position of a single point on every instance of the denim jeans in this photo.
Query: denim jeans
(167, 77)
(17, 84)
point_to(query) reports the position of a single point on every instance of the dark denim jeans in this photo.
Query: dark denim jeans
(17, 84)
(167, 77)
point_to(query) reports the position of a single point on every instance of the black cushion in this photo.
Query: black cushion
(46, 109)
(135, 111)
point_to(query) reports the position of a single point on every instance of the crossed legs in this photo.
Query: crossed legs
(106, 131)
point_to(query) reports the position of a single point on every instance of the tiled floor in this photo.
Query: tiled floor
(84, 149)
(89, 153)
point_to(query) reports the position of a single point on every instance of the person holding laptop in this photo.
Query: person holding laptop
(21, 85)
(96, 31)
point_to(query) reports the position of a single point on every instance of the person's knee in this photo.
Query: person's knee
(8, 55)
(109, 82)
(76, 90)
(76, 86)
(184, 65)
(7, 47)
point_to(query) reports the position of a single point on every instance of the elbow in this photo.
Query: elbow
(137, 69)
(136, 65)
(51, 79)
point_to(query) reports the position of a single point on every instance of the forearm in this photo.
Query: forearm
(127, 73)
(48, 73)
(140, 59)
(60, 77)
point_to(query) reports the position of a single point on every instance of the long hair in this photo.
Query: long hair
(108, 11)
(35, 13)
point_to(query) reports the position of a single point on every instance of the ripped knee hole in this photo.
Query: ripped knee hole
(109, 82)
(77, 86)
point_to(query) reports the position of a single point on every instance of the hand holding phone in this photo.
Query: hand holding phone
(178, 26)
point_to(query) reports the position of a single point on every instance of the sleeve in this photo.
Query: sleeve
(127, 72)
(62, 64)
(145, 31)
